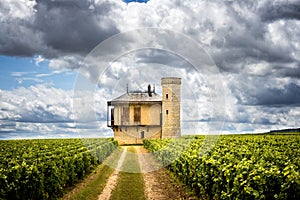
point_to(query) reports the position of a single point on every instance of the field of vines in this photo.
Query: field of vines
(43, 169)
(236, 167)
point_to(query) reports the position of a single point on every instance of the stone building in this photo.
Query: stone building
(145, 114)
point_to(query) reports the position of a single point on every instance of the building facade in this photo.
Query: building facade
(137, 115)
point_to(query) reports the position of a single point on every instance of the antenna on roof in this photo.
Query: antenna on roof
(127, 87)
(153, 88)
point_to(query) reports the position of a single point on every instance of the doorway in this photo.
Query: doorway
(142, 134)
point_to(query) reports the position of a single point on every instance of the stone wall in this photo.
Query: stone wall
(133, 135)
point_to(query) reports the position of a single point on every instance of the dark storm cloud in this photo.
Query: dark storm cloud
(288, 95)
(57, 27)
(282, 11)
(258, 92)
(290, 72)
(235, 59)
(151, 56)
(73, 26)
(247, 46)
(19, 38)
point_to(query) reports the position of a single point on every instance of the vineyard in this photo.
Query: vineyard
(43, 169)
(225, 167)
(237, 167)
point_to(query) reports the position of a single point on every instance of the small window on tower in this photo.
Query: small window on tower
(167, 96)
(167, 111)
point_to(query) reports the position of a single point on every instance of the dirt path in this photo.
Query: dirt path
(112, 181)
(158, 182)
(159, 185)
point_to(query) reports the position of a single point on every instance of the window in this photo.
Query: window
(167, 96)
(112, 118)
(137, 115)
(167, 111)
(125, 116)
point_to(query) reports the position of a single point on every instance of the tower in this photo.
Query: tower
(171, 107)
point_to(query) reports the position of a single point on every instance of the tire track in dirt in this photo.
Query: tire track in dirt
(153, 189)
(159, 185)
(113, 179)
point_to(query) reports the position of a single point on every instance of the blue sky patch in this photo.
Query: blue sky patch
(25, 72)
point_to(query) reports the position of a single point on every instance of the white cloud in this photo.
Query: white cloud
(39, 59)
(21, 80)
(256, 48)
(47, 111)
(17, 9)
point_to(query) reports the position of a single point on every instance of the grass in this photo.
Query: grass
(130, 183)
(92, 186)
(93, 189)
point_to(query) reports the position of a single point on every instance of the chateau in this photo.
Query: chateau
(145, 114)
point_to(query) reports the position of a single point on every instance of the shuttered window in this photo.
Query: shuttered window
(137, 115)
(125, 116)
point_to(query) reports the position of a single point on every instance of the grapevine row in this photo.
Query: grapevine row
(237, 167)
(42, 169)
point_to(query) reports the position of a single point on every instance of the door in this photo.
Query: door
(142, 134)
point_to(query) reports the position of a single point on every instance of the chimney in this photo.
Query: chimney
(149, 91)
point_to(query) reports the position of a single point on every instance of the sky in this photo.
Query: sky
(62, 60)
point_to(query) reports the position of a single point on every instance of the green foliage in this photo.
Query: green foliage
(42, 169)
(237, 167)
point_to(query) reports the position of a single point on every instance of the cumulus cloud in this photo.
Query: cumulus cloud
(52, 28)
(38, 103)
(260, 104)
(231, 31)
(255, 45)
(47, 111)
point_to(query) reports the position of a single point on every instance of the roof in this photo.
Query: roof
(138, 97)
